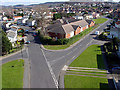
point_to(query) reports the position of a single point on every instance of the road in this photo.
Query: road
(45, 66)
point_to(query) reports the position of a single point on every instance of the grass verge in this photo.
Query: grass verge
(91, 58)
(72, 81)
(12, 74)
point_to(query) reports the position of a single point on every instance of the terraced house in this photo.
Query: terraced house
(68, 28)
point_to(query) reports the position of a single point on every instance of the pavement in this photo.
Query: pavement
(44, 66)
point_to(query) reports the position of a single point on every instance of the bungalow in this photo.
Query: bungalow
(69, 29)
(82, 25)
(15, 18)
(90, 22)
(64, 31)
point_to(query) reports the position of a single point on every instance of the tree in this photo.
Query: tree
(6, 44)
(42, 11)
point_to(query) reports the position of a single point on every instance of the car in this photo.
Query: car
(34, 34)
(25, 34)
(97, 32)
(27, 42)
(116, 68)
(26, 31)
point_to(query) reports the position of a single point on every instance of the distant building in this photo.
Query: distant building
(110, 0)
(87, 0)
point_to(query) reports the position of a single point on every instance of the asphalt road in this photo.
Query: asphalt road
(45, 66)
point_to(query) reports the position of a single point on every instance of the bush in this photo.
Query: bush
(102, 36)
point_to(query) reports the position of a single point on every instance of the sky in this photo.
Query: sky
(27, 2)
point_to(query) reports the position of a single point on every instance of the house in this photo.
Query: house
(68, 28)
(90, 22)
(81, 23)
(22, 21)
(4, 18)
(19, 21)
(12, 36)
(96, 15)
(6, 26)
(15, 18)
(31, 22)
(78, 17)
(117, 24)
(89, 16)
(14, 26)
(114, 32)
(63, 31)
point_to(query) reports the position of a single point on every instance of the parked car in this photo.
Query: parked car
(34, 34)
(27, 42)
(97, 32)
(26, 31)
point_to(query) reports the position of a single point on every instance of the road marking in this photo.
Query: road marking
(51, 71)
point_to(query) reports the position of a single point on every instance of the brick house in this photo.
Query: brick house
(79, 26)
(90, 22)
(69, 29)
(15, 18)
(63, 31)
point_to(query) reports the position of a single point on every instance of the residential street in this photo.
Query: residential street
(45, 65)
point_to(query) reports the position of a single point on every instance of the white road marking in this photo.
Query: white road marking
(51, 71)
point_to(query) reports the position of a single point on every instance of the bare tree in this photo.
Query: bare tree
(41, 12)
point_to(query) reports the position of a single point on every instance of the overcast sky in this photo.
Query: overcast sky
(27, 2)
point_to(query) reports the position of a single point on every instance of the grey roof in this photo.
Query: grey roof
(11, 34)
(89, 21)
(75, 27)
(67, 28)
(81, 23)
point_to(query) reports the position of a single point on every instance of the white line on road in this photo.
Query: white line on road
(51, 71)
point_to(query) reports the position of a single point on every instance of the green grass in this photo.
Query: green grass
(72, 81)
(99, 75)
(100, 20)
(88, 72)
(56, 47)
(12, 74)
(91, 57)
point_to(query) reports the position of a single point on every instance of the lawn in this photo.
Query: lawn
(91, 57)
(100, 20)
(72, 81)
(12, 74)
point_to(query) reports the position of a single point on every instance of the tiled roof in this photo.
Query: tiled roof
(81, 23)
(17, 16)
(67, 28)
